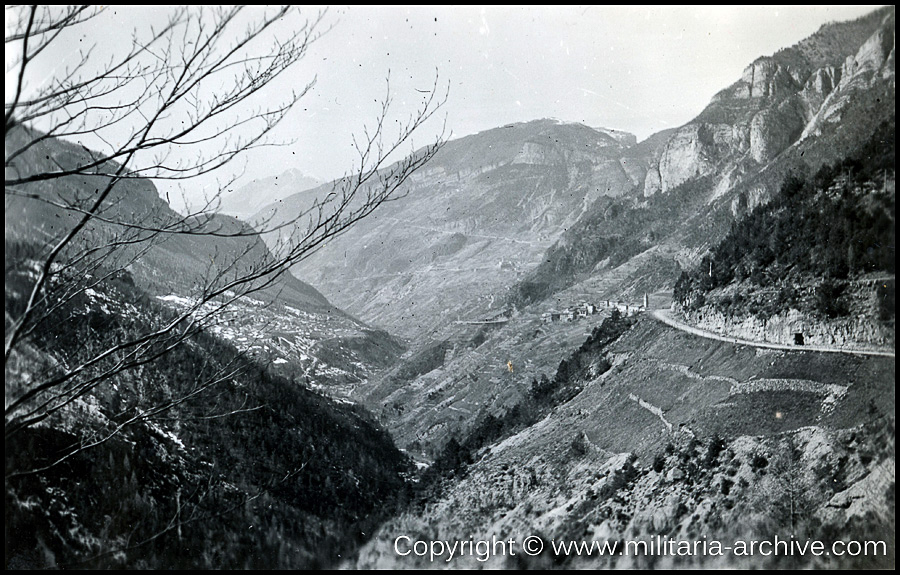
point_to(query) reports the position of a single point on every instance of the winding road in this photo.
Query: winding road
(665, 317)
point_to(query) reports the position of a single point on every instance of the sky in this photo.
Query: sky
(637, 69)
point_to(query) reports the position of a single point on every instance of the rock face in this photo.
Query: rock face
(766, 78)
(871, 64)
(694, 150)
(779, 101)
(849, 333)
(773, 130)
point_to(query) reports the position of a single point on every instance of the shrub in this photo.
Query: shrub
(659, 463)
(726, 486)
(758, 461)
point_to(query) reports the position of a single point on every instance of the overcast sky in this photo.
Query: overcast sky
(638, 69)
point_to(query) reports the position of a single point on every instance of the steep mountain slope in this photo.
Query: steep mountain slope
(244, 469)
(289, 322)
(427, 402)
(474, 220)
(217, 450)
(780, 100)
(813, 266)
(680, 437)
(793, 112)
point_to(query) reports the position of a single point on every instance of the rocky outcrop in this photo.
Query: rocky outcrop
(819, 86)
(745, 202)
(694, 150)
(873, 62)
(784, 328)
(875, 53)
(765, 78)
(538, 154)
(774, 129)
(778, 101)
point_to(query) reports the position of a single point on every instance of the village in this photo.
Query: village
(584, 309)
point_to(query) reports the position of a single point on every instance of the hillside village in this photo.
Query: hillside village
(584, 309)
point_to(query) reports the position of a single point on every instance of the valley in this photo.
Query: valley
(538, 329)
(666, 442)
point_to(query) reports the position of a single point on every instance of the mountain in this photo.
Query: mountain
(289, 322)
(477, 218)
(791, 99)
(793, 112)
(35, 215)
(198, 448)
(780, 101)
(536, 426)
(546, 389)
(247, 200)
(663, 434)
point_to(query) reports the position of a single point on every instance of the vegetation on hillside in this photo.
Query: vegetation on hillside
(199, 459)
(584, 364)
(615, 230)
(805, 247)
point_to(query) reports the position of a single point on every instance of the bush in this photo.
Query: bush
(716, 446)
(758, 461)
(726, 486)
(579, 446)
(659, 463)
(829, 301)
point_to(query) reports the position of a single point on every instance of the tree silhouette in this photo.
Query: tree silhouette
(181, 101)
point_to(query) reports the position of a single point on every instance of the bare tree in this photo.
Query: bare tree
(179, 103)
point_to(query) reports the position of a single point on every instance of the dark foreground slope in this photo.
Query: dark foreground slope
(244, 470)
(204, 450)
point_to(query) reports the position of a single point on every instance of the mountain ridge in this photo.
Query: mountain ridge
(530, 181)
(254, 196)
(275, 320)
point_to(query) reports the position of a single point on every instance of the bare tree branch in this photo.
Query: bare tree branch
(189, 86)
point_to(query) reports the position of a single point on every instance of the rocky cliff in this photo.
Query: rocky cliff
(784, 328)
(779, 101)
